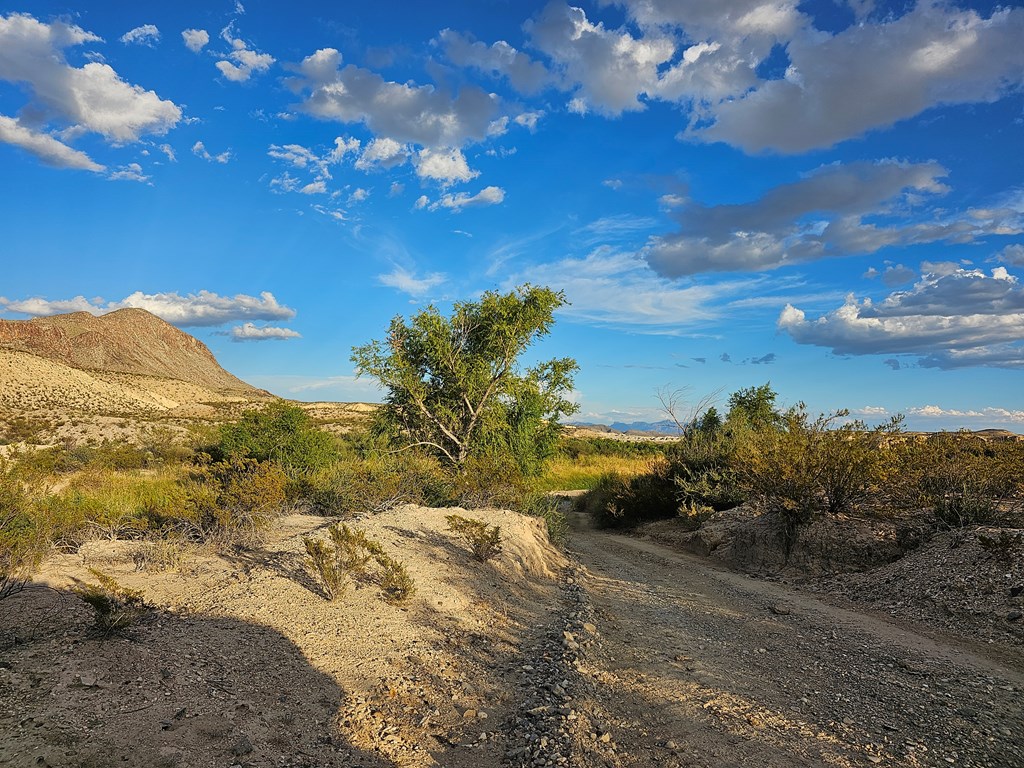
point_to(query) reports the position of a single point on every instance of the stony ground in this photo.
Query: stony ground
(627, 653)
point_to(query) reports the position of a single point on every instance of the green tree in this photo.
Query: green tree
(454, 383)
(755, 406)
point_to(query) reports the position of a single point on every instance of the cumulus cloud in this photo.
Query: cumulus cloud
(195, 39)
(45, 147)
(242, 61)
(460, 200)
(991, 413)
(404, 112)
(529, 120)
(314, 188)
(253, 332)
(610, 68)
(199, 150)
(444, 165)
(408, 282)
(873, 75)
(836, 210)
(951, 318)
(147, 35)
(382, 153)
(88, 98)
(204, 308)
(130, 172)
(499, 59)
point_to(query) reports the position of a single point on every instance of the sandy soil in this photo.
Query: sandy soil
(626, 653)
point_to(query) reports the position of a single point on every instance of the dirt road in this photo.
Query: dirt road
(695, 666)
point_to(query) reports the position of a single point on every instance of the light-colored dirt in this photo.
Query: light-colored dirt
(631, 654)
(698, 666)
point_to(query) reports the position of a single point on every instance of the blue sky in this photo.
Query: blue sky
(828, 196)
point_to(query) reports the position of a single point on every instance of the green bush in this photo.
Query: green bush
(490, 480)
(22, 544)
(234, 499)
(962, 478)
(620, 502)
(484, 540)
(375, 484)
(549, 509)
(281, 433)
(395, 582)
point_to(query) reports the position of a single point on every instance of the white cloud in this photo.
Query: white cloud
(529, 120)
(253, 332)
(421, 202)
(314, 188)
(486, 196)
(48, 149)
(396, 189)
(169, 152)
(199, 150)
(242, 61)
(408, 282)
(358, 195)
(89, 98)
(204, 308)
(1005, 415)
(130, 172)
(951, 318)
(608, 287)
(406, 113)
(610, 68)
(444, 165)
(615, 184)
(147, 34)
(195, 39)
(500, 59)
(872, 76)
(836, 210)
(383, 153)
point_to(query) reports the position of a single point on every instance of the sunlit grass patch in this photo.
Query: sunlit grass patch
(583, 473)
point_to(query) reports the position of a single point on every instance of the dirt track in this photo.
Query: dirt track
(702, 667)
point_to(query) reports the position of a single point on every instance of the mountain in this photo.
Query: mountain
(131, 341)
(126, 362)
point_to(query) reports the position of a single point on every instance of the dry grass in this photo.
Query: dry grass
(583, 473)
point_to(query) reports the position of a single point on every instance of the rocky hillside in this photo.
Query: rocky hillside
(131, 341)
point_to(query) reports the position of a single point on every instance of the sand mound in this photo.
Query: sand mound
(246, 662)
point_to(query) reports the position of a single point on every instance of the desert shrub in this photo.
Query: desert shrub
(550, 510)
(349, 553)
(376, 483)
(484, 540)
(160, 554)
(962, 478)
(489, 480)
(234, 500)
(702, 467)
(580, 447)
(115, 608)
(22, 543)
(396, 583)
(323, 561)
(620, 502)
(277, 432)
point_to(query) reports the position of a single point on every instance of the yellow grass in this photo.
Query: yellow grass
(566, 474)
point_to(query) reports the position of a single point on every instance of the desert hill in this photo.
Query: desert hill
(75, 376)
(131, 341)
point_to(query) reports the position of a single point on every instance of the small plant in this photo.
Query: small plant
(323, 561)
(550, 510)
(1000, 546)
(484, 540)
(115, 608)
(395, 581)
(22, 544)
(349, 553)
